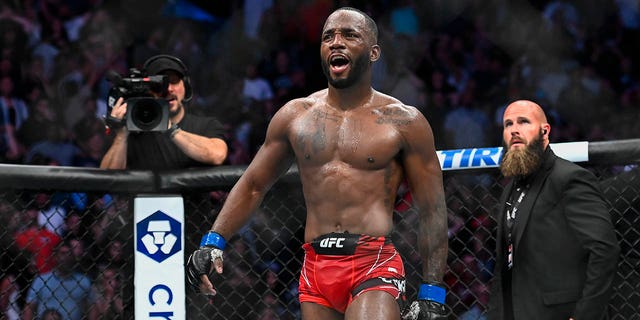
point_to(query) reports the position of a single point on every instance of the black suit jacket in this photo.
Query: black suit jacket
(565, 247)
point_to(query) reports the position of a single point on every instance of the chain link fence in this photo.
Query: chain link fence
(263, 260)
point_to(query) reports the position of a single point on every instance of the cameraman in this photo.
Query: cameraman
(189, 141)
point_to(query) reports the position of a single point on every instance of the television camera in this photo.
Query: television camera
(147, 109)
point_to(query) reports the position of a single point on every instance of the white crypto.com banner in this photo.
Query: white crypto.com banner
(159, 257)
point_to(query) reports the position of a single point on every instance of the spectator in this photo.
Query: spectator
(404, 18)
(403, 82)
(92, 146)
(75, 227)
(52, 211)
(16, 265)
(77, 91)
(109, 219)
(62, 289)
(578, 103)
(466, 125)
(241, 281)
(13, 113)
(253, 11)
(437, 83)
(108, 296)
(51, 314)
(37, 240)
(42, 125)
(113, 255)
(13, 41)
(480, 296)
(82, 263)
(9, 293)
(89, 135)
(258, 108)
(281, 78)
(257, 92)
(150, 46)
(35, 83)
(101, 40)
(52, 152)
(270, 308)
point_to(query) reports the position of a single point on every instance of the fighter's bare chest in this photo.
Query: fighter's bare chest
(350, 136)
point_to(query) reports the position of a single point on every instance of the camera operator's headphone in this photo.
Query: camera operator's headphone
(188, 92)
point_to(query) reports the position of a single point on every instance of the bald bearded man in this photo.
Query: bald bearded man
(556, 252)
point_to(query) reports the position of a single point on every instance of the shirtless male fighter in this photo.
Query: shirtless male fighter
(353, 147)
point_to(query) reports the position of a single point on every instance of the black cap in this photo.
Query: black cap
(157, 65)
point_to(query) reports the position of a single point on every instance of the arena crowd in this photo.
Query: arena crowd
(459, 62)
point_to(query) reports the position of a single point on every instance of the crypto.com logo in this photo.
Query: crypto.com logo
(159, 236)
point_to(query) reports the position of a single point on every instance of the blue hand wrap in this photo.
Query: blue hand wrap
(213, 239)
(432, 293)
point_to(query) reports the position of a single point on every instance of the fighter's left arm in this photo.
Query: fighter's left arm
(424, 176)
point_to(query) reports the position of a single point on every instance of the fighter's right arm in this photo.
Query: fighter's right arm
(271, 161)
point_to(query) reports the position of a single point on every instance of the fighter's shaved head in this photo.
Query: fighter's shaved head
(371, 26)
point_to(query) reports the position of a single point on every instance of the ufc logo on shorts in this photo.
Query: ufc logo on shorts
(332, 243)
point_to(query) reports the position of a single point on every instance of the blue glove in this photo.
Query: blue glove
(429, 306)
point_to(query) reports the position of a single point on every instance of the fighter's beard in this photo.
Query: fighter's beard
(522, 162)
(358, 68)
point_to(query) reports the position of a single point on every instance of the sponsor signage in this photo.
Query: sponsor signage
(476, 158)
(159, 257)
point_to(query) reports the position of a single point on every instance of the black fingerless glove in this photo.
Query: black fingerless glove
(201, 260)
(430, 304)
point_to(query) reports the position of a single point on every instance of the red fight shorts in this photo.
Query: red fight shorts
(338, 267)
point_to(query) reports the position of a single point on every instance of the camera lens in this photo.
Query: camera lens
(146, 113)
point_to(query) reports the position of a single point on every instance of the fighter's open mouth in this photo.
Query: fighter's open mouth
(338, 61)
